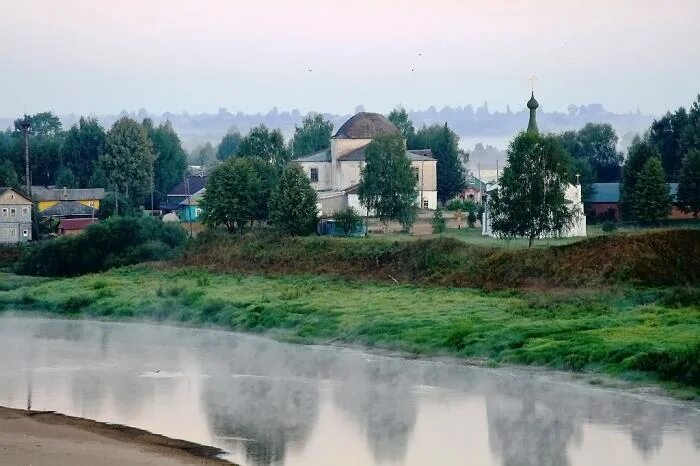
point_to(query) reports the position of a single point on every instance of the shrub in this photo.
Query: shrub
(471, 219)
(115, 242)
(609, 227)
(348, 220)
(439, 225)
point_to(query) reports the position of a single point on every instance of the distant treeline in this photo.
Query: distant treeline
(472, 124)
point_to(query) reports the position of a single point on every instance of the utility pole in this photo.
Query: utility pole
(26, 126)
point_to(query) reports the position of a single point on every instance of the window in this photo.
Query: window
(415, 173)
(13, 212)
(425, 203)
(25, 211)
(4, 212)
(314, 175)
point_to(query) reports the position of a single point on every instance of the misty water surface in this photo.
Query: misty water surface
(268, 403)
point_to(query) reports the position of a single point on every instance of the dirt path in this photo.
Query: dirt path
(49, 439)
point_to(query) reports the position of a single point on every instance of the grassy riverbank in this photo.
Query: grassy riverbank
(637, 334)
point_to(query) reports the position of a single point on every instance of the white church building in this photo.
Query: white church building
(335, 172)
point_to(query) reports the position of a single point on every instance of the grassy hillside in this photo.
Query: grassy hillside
(651, 334)
(652, 258)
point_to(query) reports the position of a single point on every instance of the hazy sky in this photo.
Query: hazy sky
(100, 56)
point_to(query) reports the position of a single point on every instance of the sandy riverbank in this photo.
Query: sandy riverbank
(45, 438)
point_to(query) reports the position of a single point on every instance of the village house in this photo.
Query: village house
(183, 199)
(15, 217)
(335, 172)
(604, 203)
(73, 208)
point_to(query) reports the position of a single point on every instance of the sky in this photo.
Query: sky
(104, 56)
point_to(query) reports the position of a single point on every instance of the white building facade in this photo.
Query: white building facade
(335, 172)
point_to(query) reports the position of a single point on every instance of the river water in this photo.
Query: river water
(268, 403)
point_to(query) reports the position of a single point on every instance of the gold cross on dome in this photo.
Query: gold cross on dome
(532, 80)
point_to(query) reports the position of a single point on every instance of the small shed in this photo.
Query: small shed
(74, 226)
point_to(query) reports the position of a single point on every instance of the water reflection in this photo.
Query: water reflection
(273, 404)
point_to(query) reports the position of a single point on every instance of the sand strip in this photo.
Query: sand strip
(40, 438)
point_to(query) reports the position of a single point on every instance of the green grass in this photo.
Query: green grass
(630, 333)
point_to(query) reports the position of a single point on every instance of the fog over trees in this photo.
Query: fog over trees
(474, 124)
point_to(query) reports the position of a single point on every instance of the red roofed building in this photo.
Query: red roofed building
(73, 226)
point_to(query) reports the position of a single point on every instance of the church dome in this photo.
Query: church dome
(366, 125)
(532, 103)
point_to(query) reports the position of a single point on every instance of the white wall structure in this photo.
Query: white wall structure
(336, 172)
(572, 194)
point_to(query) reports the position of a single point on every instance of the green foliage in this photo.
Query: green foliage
(674, 135)
(265, 144)
(314, 135)
(688, 196)
(609, 227)
(46, 138)
(444, 143)
(229, 145)
(465, 205)
(128, 160)
(203, 156)
(439, 225)
(8, 176)
(65, 178)
(595, 148)
(108, 206)
(237, 193)
(530, 201)
(115, 242)
(471, 219)
(170, 158)
(637, 156)
(652, 201)
(399, 117)
(293, 203)
(84, 144)
(348, 220)
(387, 185)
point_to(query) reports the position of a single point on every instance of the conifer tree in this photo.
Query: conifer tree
(652, 201)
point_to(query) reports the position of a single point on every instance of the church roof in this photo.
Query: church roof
(366, 125)
(358, 155)
(320, 156)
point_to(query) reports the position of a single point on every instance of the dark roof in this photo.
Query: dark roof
(358, 155)
(169, 206)
(610, 192)
(320, 156)
(19, 192)
(352, 189)
(43, 193)
(196, 184)
(474, 182)
(366, 125)
(68, 209)
(73, 224)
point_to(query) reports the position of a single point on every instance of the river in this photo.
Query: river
(268, 403)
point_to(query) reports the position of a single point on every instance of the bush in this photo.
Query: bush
(463, 205)
(115, 242)
(439, 225)
(348, 221)
(609, 227)
(471, 219)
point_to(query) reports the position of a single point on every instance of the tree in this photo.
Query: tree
(443, 142)
(439, 225)
(293, 203)
(204, 156)
(112, 201)
(170, 158)
(229, 145)
(265, 144)
(399, 117)
(530, 201)
(65, 178)
(652, 201)
(8, 176)
(638, 153)
(268, 177)
(231, 196)
(598, 145)
(44, 147)
(688, 196)
(128, 160)
(348, 220)
(313, 136)
(82, 148)
(387, 185)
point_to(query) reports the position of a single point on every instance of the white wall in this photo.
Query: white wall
(324, 174)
